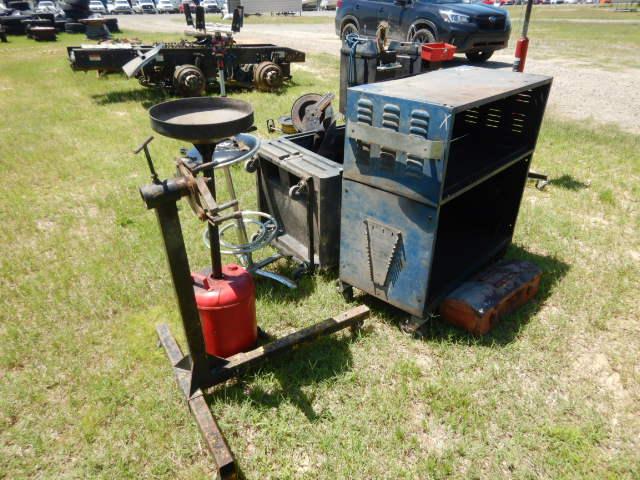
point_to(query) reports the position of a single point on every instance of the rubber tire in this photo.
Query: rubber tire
(75, 27)
(425, 33)
(479, 57)
(347, 29)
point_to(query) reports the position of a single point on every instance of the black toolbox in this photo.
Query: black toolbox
(299, 181)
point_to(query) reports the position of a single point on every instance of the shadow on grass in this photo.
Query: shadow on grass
(568, 182)
(150, 96)
(325, 358)
(306, 284)
(146, 96)
(509, 327)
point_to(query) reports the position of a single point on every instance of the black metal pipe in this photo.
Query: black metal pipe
(166, 192)
(169, 221)
(206, 151)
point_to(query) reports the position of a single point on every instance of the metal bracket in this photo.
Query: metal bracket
(382, 243)
(399, 142)
(132, 67)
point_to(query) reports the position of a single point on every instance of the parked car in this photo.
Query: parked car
(476, 30)
(46, 6)
(96, 6)
(328, 4)
(192, 6)
(122, 6)
(308, 5)
(166, 6)
(211, 6)
(148, 6)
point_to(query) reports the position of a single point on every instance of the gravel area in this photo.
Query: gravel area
(580, 91)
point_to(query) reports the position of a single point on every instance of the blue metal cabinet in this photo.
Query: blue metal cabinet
(434, 170)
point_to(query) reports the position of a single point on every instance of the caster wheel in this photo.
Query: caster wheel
(542, 184)
(413, 326)
(251, 166)
(301, 271)
(346, 291)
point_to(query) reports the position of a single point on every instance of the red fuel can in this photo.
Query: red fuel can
(227, 308)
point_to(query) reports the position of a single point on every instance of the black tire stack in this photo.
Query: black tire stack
(75, 27)
(29, 23)
(60, 25)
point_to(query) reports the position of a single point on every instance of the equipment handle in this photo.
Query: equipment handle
(143, 145)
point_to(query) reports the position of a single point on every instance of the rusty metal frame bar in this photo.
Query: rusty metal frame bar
(236, 365)
(211, 433)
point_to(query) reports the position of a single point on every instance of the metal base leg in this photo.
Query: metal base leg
(211, 433)
(256, 269)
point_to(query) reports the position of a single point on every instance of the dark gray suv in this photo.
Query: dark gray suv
(475, 29)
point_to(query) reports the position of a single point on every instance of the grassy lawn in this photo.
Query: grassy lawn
(578, 33)
(553, 392)
(575, 12)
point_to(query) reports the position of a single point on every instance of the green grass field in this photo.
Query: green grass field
(85, 392)
(590, 34)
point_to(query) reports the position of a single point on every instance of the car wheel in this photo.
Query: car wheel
(348, 29)
(479, 56)
(423, 35)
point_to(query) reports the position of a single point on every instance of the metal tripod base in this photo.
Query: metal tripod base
(236, 365)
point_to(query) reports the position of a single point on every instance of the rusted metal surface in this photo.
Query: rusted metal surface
(211, 433)
(217, 58)
(312, 111)
(478, 304)
(200, 361)
(301, 189)
(165, 192)
(441, 159)
(267, 76)
(466, 86)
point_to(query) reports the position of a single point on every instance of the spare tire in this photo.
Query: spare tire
(60, 25)
(74, 27)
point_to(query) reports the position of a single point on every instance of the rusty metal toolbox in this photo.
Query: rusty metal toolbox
(434, 169)
(302, 190)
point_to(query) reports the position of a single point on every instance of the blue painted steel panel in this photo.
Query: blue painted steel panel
(415, 176)
(406, 284)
